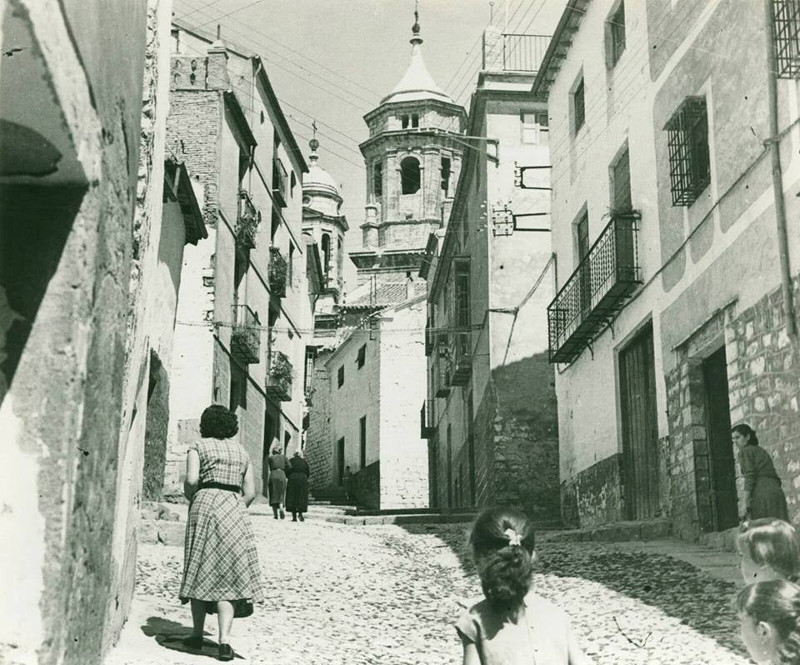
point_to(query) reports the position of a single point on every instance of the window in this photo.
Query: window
(786, 15)
(290, 266)
(311, 359)
(414, 120)
(582, 243)
(362, 356)
(621, 182)
(287, 441)
(446, 175)
(689, 161)
(292, 184)
(377, 180)
(362, 429)
(578, 107)
(340, 376)
(238, 392)
(461, 293)
(615, 34)
(409, 175)
(339, 256)
(326, 253)
(404, 121)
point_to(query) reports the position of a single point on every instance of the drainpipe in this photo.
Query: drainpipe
(773, 143)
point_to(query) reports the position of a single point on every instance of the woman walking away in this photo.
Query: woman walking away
(770, 622)
(769, 549)
(763, 495)
(277, 463)
(512, 625)
(297, 493)
(221, 572)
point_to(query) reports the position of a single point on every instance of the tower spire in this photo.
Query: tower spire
(313, 143)
(415, 38)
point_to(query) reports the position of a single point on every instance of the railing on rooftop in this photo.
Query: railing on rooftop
(524, 53)
(597, 289)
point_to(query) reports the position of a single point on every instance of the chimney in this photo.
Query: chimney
(492, 49)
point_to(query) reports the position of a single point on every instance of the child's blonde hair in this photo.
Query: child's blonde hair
(771, 542)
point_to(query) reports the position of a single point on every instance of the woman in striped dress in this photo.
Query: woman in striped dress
(221, 572)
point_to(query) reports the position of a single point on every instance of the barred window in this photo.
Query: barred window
(786, 16)
(689, 161)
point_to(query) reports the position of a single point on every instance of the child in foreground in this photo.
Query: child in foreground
(769, 549)
(512, 624)
(770, 622)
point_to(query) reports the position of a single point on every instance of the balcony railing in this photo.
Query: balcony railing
(441, 365)
(524, 53)
(461, 357)
(278, 183)
(247, 221)
(597, 289)
(279, 377)
(246, 335)
(277, 273)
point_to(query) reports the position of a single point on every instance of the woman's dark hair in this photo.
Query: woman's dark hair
(217, 422)
(776, 602)
(502, 542)
(746, 430)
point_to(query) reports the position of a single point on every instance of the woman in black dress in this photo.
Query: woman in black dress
(763, 495)
(297, 491)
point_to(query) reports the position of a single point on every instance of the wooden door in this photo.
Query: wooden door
(639, 427)
(725, 509)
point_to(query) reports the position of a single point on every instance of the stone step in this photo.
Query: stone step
(404, 518)
(616, 532)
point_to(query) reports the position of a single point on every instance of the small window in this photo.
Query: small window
(362, 356)
(287, 441)
(290, 267)
(615, 34)
(262, 117)
(292, 184)
(409, 175)
(689, 160)
(578, 107)
(415, 120)
(340, 376)
(377, 179)
(326, 253)
(446, 175)
(404, 121)
(621, 183)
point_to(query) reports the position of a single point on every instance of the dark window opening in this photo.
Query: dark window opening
(292, 184)
(326, 253)
(414, 120)
(340, 376)
(287, 440)
(238, 396)
(409, 175)
(290, 266)
(362, 356)
(616, 33)
(404, 121)
(578, 107)
(446, 175)
(461, 292)
(377, 179)
(689, 159)
(621, 183)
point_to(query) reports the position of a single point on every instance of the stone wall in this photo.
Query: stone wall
(319, 450)
(64, 267)
(367, 486)
(595, 495)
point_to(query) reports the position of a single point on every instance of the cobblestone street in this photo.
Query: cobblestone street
(389, 594)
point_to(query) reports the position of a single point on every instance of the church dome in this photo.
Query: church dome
(318, 180)
(417, 83)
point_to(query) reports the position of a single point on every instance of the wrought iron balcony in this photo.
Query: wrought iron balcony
(279, 377)
(524, 53)
(597, 289)
(278, 183)
(277, 273)
(246, 335)
(247, 221)
(442, 365)
(461, 357)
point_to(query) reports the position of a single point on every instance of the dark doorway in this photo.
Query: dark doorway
(720, 449)
(639, 426)
(471, 449)
(433, 457)
(339, 461)
(269, 437)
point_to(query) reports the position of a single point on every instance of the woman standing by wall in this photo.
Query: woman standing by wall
(762, 487)
(277, 463)
(221, 572)
(297, 494)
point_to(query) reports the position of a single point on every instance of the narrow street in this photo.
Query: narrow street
(389, 594)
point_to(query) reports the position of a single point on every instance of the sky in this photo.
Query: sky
(333, 60)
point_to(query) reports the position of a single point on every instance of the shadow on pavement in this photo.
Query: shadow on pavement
(170, 635)
(696, 599)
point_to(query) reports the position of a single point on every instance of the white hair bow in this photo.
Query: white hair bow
(514, 538)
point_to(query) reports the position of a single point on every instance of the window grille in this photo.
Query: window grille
(786, 15)
(616, 25)
(578, 106)
(689, 162)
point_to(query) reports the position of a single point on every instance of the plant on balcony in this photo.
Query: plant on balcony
(278, 270)
(279, 377)
(247, 222)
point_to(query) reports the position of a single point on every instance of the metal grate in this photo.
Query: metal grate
(786, 16)
(524, 53)
(596, 291)
(687, 141)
